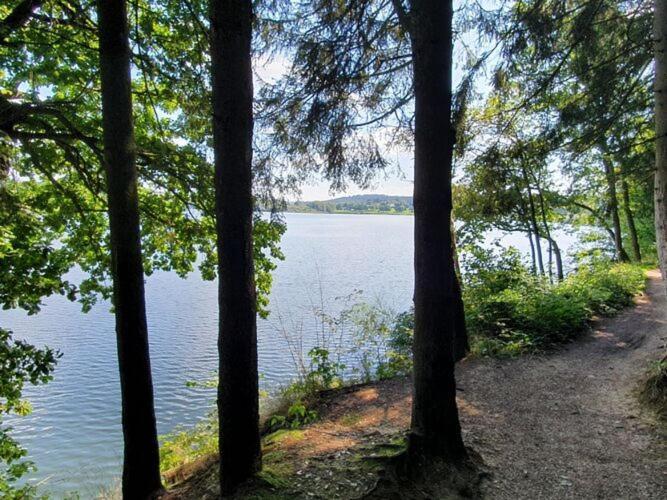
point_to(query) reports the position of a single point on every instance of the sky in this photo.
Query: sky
(398, 179)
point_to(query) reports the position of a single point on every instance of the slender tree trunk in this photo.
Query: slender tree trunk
(533, 221)
(435, 429)
(610, 176)
(461, 344)
(660, 36)
(536, 232)
(238, 405)
(559, 259)
(551, 260)
(630, 218)
(553, 246)
(141, 472)
(532, 252)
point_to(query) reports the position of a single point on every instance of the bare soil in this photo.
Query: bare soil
(563, 425)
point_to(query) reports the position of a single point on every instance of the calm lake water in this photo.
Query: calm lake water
(74, 434)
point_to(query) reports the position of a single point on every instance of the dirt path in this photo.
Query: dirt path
(564, 425)
(569, 425)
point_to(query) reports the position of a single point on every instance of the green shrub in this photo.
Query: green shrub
(605, 287)
(382, 341)
(186, 445)
(509, 311)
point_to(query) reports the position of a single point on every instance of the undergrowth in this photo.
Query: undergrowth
(509, 312)
(654, 389)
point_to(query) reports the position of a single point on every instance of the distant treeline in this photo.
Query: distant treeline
(359, 204)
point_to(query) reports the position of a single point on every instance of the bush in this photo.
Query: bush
(183, 446)
(605, 287)
(509, 311)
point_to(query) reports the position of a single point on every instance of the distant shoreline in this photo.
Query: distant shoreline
(364, 204)
(314, 212)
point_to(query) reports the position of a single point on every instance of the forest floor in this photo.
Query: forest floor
(562, 425)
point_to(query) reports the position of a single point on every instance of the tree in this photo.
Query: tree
(357, 69)
(141, 460)
(435, 429)
(50, 145)
(583, 69)
(660, 38)
(238, 405)
(509, 186)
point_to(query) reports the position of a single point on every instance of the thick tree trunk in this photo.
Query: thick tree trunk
(630, 219)
(141, 472)
(435, 429)
(660, 35)
(238, 405)
(610, 176)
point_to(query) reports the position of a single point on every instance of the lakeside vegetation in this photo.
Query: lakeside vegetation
(139, 136)
(509, 312)
(357, 204)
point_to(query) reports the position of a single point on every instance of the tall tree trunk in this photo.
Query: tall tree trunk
(532, 251)
(533, 221)
(551, 260)
(553, 246)
(660, 36)
(536, 232)
(559, 259)
(461, 344)
(630, 218)
(435, 429)
(238, 405)
(610, 176)
(141, 471)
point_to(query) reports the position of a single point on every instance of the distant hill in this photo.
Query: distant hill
(357, 204)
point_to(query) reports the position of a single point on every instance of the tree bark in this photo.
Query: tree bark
(610, 176)
(238, 405)
(554, 250)
(560, 275)
(141, 472)
(660, 36)
(435, 429)
(532, 251)
(461, 343)
(630, 219)
(533, 221)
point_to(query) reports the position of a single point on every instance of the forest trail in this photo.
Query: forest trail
(562, 425)
(569, 425)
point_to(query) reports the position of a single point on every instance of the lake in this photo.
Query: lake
(74, 434)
